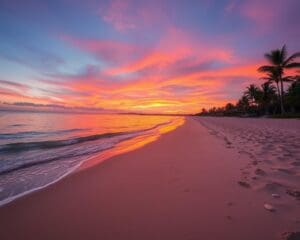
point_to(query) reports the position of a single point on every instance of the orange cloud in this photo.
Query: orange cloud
(178, 74)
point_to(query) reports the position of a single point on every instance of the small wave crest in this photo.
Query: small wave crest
(28, 134)
(41, 152)
(26, 146)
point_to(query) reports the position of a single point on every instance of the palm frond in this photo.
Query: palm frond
(269, 57)
(288, 79)
(291, 58)
(276, 57)
(269, 81)
(266, 78)
(283, 53)
(266, 69)
(293, 65)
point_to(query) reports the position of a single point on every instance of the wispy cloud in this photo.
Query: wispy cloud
(34, 58)
(126, 15)
(16, 85)
(149, 56)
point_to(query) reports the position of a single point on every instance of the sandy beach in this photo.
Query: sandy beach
(211, 178)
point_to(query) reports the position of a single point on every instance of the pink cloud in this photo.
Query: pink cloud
(180, 72)
(111, 51)
(125, 15)
(202, 87)
(10, 95)
(166, 52)
(116, 15)
(14, 85)
(162, 72)
(264, 14)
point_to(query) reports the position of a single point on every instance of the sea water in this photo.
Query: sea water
(38, 149)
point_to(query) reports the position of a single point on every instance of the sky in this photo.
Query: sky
(165, 56)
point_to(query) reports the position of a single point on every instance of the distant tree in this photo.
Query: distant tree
(230, 109)
(273, 77)
(268, 96)
(253, 93)
(293, 95)
(212, 110)
(243, 105)
(279, 63)
(204, 111)
(220, 111)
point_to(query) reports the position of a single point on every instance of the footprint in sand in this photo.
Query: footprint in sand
(244, 184)
(230, 204)
(229, 218)
(293, 193)
(260, 172)
(254, 163)
(296, 163)
(291, 236)
(286, 171)
(273, 186)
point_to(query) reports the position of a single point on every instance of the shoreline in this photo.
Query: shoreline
(182, 186)
(124, 146)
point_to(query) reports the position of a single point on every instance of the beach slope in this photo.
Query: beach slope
(185, 185)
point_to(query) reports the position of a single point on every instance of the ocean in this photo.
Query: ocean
(38, 149)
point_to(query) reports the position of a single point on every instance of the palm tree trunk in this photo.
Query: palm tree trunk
(278, 90)
(281, 96)
(267, 109)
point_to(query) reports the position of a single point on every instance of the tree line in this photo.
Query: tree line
(272, 97)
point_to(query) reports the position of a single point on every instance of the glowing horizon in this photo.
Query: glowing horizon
(138, 56)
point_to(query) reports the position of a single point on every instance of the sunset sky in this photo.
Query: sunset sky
(140, 56)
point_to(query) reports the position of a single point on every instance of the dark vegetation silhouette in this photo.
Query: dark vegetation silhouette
(279, 95)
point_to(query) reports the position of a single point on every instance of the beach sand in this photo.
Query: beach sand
(200, 181)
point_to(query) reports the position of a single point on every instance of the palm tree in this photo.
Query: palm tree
(279, 63)
(253, 93)
(293, 95)
(243, 104)
(268, 95)
(271, 77)
(229, 109)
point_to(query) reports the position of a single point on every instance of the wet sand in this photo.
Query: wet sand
(200, 181)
